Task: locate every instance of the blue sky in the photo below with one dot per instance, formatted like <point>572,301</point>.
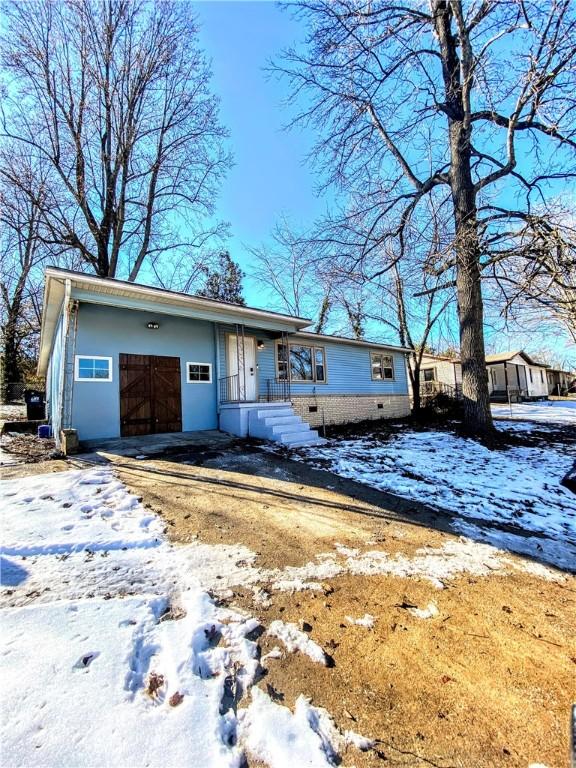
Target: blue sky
<point>271,176</point>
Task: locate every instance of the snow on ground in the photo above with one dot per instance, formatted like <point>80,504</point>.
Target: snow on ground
<point>510,498</point>
<point>366,621</point>
<point>310,731</point>
<point>296,640</point>
<point>547,411</point>
<point>113,652</point>
<point>429,612</point>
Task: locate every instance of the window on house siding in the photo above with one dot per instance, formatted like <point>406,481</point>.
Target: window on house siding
<point>382,366</point>
<point>199,373</point>
<point>306,363</point>
<point>429,374</point>
<point>542,376</point>
<point>531,377</point>
<point>93,368</point>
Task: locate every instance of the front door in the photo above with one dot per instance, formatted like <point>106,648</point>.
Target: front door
<point>242,361</point>
<point>150,396</point>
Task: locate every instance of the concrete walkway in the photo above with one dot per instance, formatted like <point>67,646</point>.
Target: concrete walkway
<point>148,445</point>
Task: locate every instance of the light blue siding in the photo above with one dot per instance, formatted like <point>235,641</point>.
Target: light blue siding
<point>349,372</point>
<point>108,331</point>
<point>348,367</point>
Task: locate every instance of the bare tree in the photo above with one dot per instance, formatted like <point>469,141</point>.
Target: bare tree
<point>539,280</point>
<point>471,104</point>
<point>22,256</point>
<point>287,268</point>
<point>112,99</point>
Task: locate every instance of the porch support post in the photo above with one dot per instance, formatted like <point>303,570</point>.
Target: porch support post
<point>238,359</point>
<point>244,360</point>
<point>289,368</point>
<point>217,364</point>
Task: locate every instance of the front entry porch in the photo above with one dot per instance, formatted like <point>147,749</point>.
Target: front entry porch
<point>275,421</point>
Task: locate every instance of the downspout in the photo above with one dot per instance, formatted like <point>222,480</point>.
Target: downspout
<point>217,367</point>
<point>75,308</point>
<point>65,330</point>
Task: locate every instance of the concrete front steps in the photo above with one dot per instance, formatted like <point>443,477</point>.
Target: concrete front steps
<point>279,424</point>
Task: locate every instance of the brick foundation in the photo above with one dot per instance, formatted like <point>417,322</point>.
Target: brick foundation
<point>345,409</point>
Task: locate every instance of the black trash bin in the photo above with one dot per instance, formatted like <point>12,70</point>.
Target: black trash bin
<point>35,404</point>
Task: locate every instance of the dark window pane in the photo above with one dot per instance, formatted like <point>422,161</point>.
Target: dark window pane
<point>100,374</point>
<point>319,359</point>
<point>429,374</point>
<point>301,363</point>
<point>387,367</point>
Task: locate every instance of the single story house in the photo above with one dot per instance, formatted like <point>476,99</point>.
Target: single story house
<point>560,382</point>
<point>123,359</point>
<point>439,373</point>
<point>515,373</point>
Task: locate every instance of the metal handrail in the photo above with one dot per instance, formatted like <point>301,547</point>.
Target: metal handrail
<point>277,390</point>
<point>229,388</point>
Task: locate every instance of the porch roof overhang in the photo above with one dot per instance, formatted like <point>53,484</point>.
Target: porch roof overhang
<point>118,293</point>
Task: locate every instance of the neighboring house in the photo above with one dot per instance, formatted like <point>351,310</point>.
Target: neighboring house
<point>514,373</point>
<point>517,375</point>
<point>439,373</point>
<point>560,382</point>
<point>123,359</point>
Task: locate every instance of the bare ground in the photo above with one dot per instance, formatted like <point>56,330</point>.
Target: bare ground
<point>488,682</point>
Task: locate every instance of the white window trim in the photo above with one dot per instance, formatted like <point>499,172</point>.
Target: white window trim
<point>423,371</point>
<point>313,348</point>
<point>393,366</point>
<point>77,376</point>
<point>195,381</point>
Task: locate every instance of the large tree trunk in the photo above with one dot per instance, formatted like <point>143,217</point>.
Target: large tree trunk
<point>477,415</point>
<point>415,381</point>
<point>11,367</point>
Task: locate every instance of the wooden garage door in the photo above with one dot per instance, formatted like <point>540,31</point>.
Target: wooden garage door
<point>150,396</point>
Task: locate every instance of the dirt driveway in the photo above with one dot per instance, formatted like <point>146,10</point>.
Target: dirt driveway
<point>471,666</point>
<point>488,680</point>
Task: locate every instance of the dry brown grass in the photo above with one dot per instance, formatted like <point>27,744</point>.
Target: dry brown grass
<point>488,682</point>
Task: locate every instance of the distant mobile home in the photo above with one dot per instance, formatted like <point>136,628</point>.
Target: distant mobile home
<point>509,373</point>
<point>124,360</point>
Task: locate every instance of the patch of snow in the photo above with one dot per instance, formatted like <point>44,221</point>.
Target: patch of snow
<point>60,711</point>
<point>366,621</point>
<point>513,496</point>
<point>278,737</point>
<point>546,411</point>
<point>108,631</point>
<point>275,653</point>
<point>346,551</point>
<point>360,742</point>
<point>307,737</point>
<point>425,613</point>
<point>296,640</point>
